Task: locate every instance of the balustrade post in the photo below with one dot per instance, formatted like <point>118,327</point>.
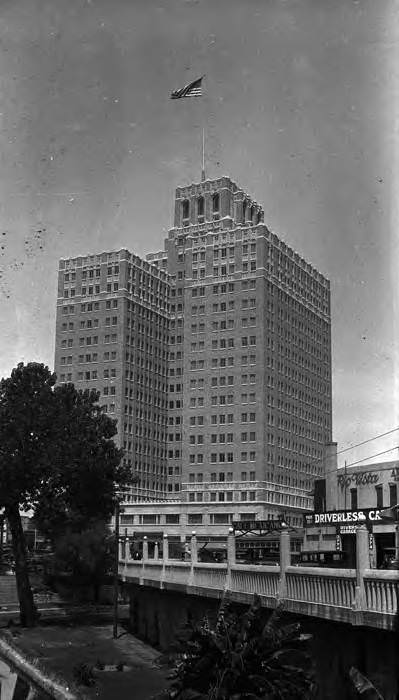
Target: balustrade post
<point>362,563</point>
<point>194,548</point>
<point>165,553</point>
<point>145,549</point>
<point>231,558</point>
<point>156,551</point>
<point>285,560</point>
<point>144,559</point>
<point>193,557</point>
<point>231,547</point>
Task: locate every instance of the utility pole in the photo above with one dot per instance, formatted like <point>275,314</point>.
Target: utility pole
<point>345,486</point>
<point>116,566</point>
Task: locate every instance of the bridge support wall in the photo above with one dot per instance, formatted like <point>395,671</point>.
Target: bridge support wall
<point>156,616</point>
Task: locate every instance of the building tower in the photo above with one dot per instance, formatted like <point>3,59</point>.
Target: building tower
<point>214,356</point>
<point>249,407</point>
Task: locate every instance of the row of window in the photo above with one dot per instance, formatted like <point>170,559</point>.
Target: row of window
<point>222,457</point>
<point>93,340</point>
<point>393,496</point>
<point>224,288</point>
<point>222,437</point>
<point>192,518</point>
<point>92,289</point>
<point>93,374</point>
<point>108,408</point>
<point>198,477</point>
<point>222,400</point>
<point>93,357</point>
<point>91,273</point>
<point>221,497</point>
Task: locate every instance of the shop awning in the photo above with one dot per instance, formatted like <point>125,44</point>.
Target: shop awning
<point>390,514</point>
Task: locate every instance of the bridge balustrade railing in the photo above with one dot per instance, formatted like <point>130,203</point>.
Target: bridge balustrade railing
<point>177,572</point>
<point>381,590</point>
<point>335,587</point>
<point>263,580</point>
<point>210,576</point>
<point>359,596</point>
<point>153,569</point>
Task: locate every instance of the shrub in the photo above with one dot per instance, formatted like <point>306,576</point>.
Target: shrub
<point>241,657</point>
<point>83,675</point>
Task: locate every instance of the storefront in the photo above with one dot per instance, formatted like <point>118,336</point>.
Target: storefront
<point>336,529</point>
<point>353,496</point>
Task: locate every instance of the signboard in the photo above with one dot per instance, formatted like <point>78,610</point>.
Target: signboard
<point>347,529</point>
<point>371,541</point>
<point>359,479</point>
<point>257,525</point>
<point>366,516</point>
<point>338,544</point>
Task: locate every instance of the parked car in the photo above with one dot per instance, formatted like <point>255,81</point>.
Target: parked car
<point>390,560</point>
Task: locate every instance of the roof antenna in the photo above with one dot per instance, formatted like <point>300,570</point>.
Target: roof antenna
<point>203,156</point>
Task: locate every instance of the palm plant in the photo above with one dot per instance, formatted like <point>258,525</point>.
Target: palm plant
<point>242,658</point>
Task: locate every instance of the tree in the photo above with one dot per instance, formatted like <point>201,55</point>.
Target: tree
<point>242,658</point>
<point>57,457</point>
<point>87,556</point>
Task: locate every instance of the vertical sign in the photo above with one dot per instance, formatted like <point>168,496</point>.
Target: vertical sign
<point>338,545</point>
<point>371,541</point>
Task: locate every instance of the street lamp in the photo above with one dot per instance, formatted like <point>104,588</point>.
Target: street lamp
<point>118,511</point>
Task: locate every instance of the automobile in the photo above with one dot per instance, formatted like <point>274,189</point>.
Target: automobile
<point>327,558</point>
<point>390,561</point>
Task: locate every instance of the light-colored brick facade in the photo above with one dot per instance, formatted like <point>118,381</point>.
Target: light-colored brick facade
<point>248,405</point>
<point>112,335</point>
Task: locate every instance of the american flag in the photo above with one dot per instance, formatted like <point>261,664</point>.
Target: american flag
<point>193,89</point>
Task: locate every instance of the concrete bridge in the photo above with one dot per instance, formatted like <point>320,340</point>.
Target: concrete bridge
<point>359,597</point>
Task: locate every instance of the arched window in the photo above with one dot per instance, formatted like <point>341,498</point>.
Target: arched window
<point>244,210</point>
<point>186,209</point>
<point>200,207</point>
<point>215,203</point>
<point>253,214</point>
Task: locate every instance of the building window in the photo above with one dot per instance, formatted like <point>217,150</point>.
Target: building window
<point>379,492</point>
<point>194,518</point>
<point>215,203</point>
<point>393,495</point>
<point>353,499</point>
<point>200,207</point>
<point>172,519</point>
<point>185,209</point>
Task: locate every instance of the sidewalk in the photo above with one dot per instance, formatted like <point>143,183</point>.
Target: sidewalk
<point>61,647</point>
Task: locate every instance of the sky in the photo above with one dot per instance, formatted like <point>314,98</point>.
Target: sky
<point>300,108</point>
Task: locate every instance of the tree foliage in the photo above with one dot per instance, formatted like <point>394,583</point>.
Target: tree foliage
<point>86,556</point>
<point>56,449</point>
<point>57,457</point>
<point>81,489</point>
<point>242,658</point>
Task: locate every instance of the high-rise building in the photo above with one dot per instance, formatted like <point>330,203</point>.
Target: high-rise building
<point>249,355</point>
<point>234,406</point>
<point>112,335</point>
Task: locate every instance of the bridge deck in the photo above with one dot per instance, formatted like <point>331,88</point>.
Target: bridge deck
<point>335,594</point>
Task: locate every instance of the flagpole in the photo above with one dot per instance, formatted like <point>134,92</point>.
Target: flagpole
<point>203,156</point>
